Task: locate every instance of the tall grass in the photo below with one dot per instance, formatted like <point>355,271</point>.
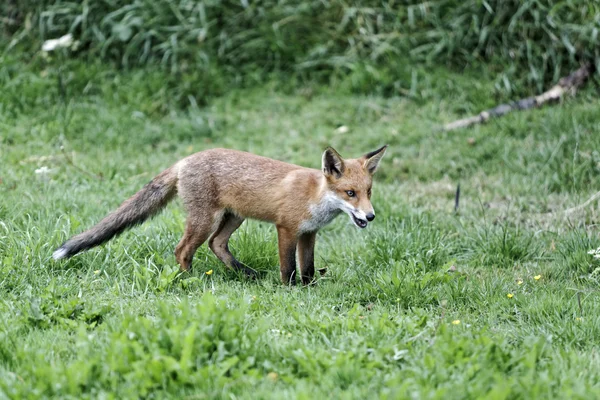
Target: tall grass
<point>525,43</point>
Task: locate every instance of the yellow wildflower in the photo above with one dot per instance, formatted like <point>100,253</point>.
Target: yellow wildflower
<point>537,277</point>
<point>456,322</point>
<point>519,282</point>
<point>510,295</point>
<point>209,272</point>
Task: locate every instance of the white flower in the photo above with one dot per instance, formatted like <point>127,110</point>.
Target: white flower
<point>595,253</point>
<point>61,42</point>
<point>342,129</point>
<point>43,171</point>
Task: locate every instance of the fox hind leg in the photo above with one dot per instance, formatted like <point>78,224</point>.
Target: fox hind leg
<point>219,241</point>
<point>196,232</point>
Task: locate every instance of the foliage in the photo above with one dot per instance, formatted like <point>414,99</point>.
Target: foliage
<point>363,46</point>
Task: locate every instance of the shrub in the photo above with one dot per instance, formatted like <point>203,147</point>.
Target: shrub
<point>525,43</point>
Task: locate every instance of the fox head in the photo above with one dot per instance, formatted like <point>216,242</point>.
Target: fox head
<point>349,183</point>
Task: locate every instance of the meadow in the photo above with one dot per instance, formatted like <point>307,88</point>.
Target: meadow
<point>495,299</point>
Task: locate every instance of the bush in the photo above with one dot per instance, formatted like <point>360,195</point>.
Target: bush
<point>525,43</point>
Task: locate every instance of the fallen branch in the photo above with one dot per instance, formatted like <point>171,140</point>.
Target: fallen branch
<point>566,84</point>
<point>589,201</point>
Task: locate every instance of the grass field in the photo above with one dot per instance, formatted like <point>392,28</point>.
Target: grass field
<point>499,300</point>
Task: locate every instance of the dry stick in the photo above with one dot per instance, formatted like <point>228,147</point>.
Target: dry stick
<point>70,161</point>
<point>583,205</point>
<point>568,83</point>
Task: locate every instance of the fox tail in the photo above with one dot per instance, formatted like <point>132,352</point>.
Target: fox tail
<point>143,205</point>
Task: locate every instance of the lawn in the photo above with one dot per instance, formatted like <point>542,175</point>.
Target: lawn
<point>498,299</point>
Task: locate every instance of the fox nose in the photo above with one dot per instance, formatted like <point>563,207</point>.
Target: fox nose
<point>370,217</point>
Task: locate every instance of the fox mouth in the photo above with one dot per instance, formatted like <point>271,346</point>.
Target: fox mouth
<point>361,223</point>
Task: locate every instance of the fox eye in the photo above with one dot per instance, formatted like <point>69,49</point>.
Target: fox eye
<point>350,193</point>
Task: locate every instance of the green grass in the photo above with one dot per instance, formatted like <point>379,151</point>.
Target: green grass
<point>120,322</point>
<point>373,46</point>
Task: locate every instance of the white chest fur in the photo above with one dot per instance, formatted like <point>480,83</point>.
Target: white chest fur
<point>322,213</point>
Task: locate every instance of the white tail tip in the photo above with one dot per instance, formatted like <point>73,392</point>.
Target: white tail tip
<point>60,253</point>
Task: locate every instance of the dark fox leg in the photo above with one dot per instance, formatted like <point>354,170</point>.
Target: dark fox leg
<point>306,256</point>
<point>219,240</point>
<point>287,254</point>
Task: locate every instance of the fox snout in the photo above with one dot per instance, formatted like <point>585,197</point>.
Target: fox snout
<point>361,219</point>
<point>361,223</point>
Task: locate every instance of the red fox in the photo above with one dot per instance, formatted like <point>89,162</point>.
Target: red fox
<point>220,188</point>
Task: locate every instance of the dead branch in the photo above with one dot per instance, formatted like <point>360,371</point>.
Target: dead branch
<point>566,84</point>
<point>589,201</point>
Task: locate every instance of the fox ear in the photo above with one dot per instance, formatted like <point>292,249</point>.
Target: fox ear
<point>333,163</point>
<point>371,160</point>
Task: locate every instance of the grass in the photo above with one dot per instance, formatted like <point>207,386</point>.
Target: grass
<point>416,306</point>
<point>209,46</point>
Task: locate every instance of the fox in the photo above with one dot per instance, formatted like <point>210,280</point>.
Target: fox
<point>220,188</point>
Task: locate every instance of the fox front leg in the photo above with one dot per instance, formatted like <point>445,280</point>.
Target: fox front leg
<point>287,255</point>
<point>306,256</point>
